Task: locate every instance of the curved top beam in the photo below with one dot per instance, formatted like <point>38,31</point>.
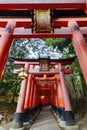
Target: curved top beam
<point>41,4</point>
<point>51,61</point>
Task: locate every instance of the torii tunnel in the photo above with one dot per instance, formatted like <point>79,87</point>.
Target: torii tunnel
<point>44,19</point>
<point>44,86</point>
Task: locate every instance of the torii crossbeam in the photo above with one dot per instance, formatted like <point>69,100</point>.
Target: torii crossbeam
<point>40,4</point>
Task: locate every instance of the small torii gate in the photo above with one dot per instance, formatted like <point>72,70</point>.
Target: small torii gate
<point>44,19</point>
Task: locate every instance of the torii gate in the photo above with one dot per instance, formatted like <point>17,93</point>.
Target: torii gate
<point>31,27</point>
<point>51,23</point>
<point>51,87</point>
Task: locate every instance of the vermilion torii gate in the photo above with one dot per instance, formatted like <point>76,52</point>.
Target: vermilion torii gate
<point>43,19</point>
<point>56,26</point>
<point>49,85</point>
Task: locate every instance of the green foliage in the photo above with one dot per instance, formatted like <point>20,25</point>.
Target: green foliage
<point>76,67</point>
<point>63,45</point>
<point>9,82</point>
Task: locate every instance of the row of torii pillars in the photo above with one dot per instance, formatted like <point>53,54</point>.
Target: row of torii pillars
<point>80,46</point>
<point>29,101</point>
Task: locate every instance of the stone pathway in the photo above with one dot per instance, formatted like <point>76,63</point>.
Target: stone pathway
<point>45,121</point>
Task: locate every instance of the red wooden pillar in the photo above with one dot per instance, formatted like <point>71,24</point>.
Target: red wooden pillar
<point>19,115</point>
<point>3,66</point>
<point>35,104</point>
<point>5,43</point>
<point>34,97</point>
<point>80,46</point>
<point>37,97</point>
<point>31,92</point>
<point>31,96</point>
<point>61,102</point>
<point>54,94</point>
<point>69,117</point>
<point>27,97</point>
<point>53,98</point>
<point>61,108</point>
<point>86,7</point>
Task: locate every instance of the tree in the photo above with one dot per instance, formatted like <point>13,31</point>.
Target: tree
<point>63,45</point>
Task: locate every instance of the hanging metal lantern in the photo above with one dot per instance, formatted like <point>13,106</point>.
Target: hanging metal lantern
<point>23,73</point>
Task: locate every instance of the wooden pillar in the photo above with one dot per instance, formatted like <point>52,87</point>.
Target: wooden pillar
<point>19,114</point>
<point>5,43</point>
<point>80,46</point>
<point>31,92</point>
<point>86,7</point>
<point>53,98</point>
<point>34,97</point>
<point>27,111</point>
<point>52,95</point>
<point>61,108</point>
<point>55,95</point>
<point>69,116</point>
<point>26,105</point>
<point>38,99</point>
<point>3,66</point>
<point>35,93</point>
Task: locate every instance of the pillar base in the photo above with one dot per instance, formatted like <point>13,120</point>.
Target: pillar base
<point>54,108</point>
<point>74,127</point>
<point>61,112</point>
<point>69,118</point>
<point>58,120</point>
<point>27,114</point>
<point>27,125</point>
<point>31,121</point>
<point>18,122</point>
<point>62,123</point>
